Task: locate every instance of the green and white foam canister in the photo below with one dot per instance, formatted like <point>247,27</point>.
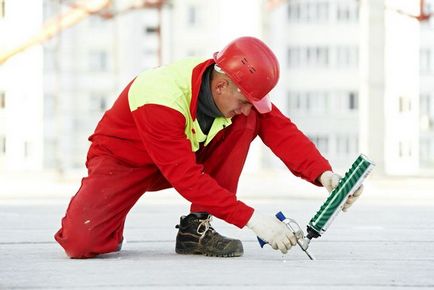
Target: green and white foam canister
<point>352,180</point>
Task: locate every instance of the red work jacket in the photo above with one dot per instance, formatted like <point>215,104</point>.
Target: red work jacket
<point>153,136</point>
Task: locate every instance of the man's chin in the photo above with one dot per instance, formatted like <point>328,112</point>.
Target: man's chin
<point>230,115</point>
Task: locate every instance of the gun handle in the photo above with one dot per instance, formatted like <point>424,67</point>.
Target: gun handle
<point>261,242</point>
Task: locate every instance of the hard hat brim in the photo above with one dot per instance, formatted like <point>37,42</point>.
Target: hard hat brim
<point>263,105</point>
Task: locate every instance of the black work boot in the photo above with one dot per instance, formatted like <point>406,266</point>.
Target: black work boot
<point>197,237</point>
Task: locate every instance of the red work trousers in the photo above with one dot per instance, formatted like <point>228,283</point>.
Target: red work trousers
<point>95,218</point>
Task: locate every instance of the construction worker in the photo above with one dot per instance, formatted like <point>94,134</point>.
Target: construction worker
<point>189,125</point>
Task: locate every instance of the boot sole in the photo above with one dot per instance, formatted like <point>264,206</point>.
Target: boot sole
<point>229,255</point>
<point>195,251</point>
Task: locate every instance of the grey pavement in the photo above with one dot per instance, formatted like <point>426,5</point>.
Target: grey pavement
<point>383,242</point>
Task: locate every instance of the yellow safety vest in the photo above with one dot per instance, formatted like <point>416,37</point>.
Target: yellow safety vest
<point>170,86</point>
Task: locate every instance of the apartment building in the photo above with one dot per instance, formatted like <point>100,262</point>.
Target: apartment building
<point>318,45</point>
<point>85,68</point>
<point>88,65</point>
<point>332,58</point>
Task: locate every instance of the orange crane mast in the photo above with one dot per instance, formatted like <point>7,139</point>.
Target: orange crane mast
<point>77,12</point>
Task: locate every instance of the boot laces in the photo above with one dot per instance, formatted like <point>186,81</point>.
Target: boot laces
<point>205,225</point>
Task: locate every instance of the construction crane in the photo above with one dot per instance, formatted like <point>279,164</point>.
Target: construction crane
<point>77,12</point>
<point>423,15</point>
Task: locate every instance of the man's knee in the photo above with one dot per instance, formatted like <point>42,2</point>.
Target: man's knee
<point>76,246</point>
<point>86,243</point>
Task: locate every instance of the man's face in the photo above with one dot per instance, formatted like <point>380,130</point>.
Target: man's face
<point>229,100</point>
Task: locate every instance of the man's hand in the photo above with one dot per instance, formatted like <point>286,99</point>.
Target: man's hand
<point>273,231</point>
<point>330,180</point>
<point>352,198</point>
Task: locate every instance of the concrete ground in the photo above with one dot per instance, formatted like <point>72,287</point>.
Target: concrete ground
<point>385,241</point>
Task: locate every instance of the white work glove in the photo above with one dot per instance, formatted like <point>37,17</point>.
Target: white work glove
<point>352,198</point>
<point>272,231</point>
<point>330,180</point>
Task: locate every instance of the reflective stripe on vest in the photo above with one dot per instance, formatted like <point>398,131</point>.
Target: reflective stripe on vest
<point>170,86</point>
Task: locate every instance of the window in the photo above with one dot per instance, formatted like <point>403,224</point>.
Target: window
<point>404,104</point>
<point>26,149</point>
<point>345,101</point>
<point>405,149</point>
<point>322,11</point>
<point>426,152</point>
<point>308,101</point>
<point>98,61</point>
<point>352,100</point>
<point>191,15</point>
<point>97,102</point>
<point>2,145</point>
<point>294,102</point>
<point>297,101</point>
<point>426,106</point>
<point>308,11</point>
<point>293,57</point>
<point>318,102</point>
<point>321,142</point>
<point>102,104</point>
<point>323,56</point>
<point>342,145</point>
<point>2,100</point>
<point>343,12</point>
<point>425,60</point>
<point>152,29</point>
<point>425,101</point>
<point>2,8</point>
<point>311,56</point>
<point>317,56</point>
<point>347,145</point>
<point>307,98</point>
<point>293,11</point>
<point>346,56</point>
<point>304,11</point>
<point>347,11</point>
<point>290,102</point>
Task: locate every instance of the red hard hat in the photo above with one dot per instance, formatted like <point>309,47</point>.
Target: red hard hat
<point>253,67</point>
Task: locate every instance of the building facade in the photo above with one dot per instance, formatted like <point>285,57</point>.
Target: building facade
<point>426,149</point>
<point>85,68</point>
<point>318,45</point>
<point>338,80</point>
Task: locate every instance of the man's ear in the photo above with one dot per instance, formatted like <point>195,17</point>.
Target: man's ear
<point>221,84</point>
